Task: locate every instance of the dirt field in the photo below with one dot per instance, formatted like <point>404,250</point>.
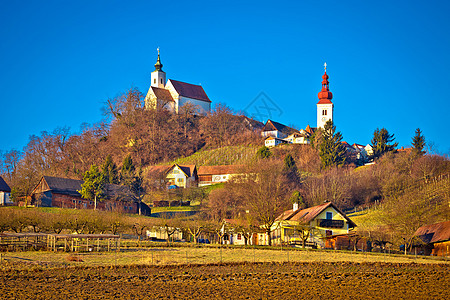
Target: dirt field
<point>308,280</point>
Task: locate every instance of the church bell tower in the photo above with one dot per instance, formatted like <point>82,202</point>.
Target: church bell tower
<point>324,106</point>
<point>158,76</point>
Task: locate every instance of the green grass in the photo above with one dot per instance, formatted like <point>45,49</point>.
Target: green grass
<point>230,155</point>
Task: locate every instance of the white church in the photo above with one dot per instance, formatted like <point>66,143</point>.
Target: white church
<point>174,94</point>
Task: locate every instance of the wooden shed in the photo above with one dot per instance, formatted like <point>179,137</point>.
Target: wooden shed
<point>435,239</point>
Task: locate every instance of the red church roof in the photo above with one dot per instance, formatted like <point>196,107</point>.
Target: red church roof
<point>325,95</point>
<point>190,90</point>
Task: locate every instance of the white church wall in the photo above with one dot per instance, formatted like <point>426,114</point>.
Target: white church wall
<point>202,107</point>
<point>322,119</point>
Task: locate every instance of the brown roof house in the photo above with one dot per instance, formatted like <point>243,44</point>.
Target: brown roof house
<point>5,193</point>
<point>174,94</point>
<point>208,175</point>
<point>63,192</point>
<point>311,226</point>
<point>434,239</point>
<point>276,130</point>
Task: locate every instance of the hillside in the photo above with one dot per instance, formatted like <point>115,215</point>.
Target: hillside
<point>230,155</point>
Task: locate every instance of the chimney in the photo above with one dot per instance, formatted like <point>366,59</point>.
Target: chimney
<point>295,206</point>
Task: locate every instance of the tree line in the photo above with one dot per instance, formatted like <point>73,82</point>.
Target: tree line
<point>147,136</point>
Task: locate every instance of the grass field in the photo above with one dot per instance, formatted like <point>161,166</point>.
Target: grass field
<point>203,255</point>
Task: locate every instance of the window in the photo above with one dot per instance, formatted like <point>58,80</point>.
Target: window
<point>161,81</point>
<point>328,232</point>
<point>329,215</point>
<point>176,172</point>
<point>239,236</point>
<point>180,179</point>
<point>324,112</point>
<point>154,80</point>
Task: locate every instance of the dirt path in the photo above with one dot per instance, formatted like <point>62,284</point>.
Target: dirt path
<point>231,281</point>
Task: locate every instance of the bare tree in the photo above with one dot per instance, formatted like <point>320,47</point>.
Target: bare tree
<point>263,192</point>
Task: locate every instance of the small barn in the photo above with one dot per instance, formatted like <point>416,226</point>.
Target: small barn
<point>63,192</point>
<point>435,239</point>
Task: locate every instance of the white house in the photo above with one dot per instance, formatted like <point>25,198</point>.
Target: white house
<point>298,138</point>
<point>182,176</point>
<point>208,175</point>
<point>5,193</point>
<point>162,233</point>
<point>273,141</point>
<point>277,130</point>
<point>174,94</point>
<point>238,232</point>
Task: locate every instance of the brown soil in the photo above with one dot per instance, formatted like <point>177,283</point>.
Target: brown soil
<point>230,281</point>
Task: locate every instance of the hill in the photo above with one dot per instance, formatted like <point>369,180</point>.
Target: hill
<point>229,155</point>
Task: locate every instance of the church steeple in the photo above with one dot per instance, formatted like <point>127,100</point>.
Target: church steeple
<point>158,76</point>
<point>324,106</point>
<point>158,65</point>
<point>325,95</point>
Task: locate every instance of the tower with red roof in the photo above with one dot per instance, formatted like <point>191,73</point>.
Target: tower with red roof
<point>324,106</point>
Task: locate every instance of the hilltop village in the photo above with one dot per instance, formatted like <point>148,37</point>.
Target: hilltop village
<point>203,174</point>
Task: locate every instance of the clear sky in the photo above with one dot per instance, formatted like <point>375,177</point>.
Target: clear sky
<point>388,61</point>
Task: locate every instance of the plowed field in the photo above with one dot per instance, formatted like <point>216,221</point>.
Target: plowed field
<point>230,281</point>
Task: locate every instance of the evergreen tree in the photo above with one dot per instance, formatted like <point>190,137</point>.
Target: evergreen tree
<point>263,152</point>
<point>93,185</point>
<point>109,171</point>
<point>418,143</point>
<point>331,150</point>
<point>127,172</point>
<point>381,142</point>
<point>290,168</point>
<point>296,197</point>
<point>137,188</point>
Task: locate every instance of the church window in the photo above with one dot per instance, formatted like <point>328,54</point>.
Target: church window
<point>324,112</point>
<point>161,81</point>
<point>154,80</point>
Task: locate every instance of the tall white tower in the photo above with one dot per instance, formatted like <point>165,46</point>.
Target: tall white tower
<point>324,106</point>
<point>158,76</point>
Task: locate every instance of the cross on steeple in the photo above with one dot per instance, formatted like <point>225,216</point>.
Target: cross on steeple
<point>325,65</point>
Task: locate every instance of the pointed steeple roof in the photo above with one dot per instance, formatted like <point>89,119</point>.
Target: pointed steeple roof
<point>325,95</point>
<point>158,65</point>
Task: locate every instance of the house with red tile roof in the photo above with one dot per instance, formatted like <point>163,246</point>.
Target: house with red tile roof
<point>208,175</point>
<point>174,94</point>
<point>321,222</point>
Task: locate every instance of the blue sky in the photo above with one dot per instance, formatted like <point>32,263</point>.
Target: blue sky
<point>388,61</point>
